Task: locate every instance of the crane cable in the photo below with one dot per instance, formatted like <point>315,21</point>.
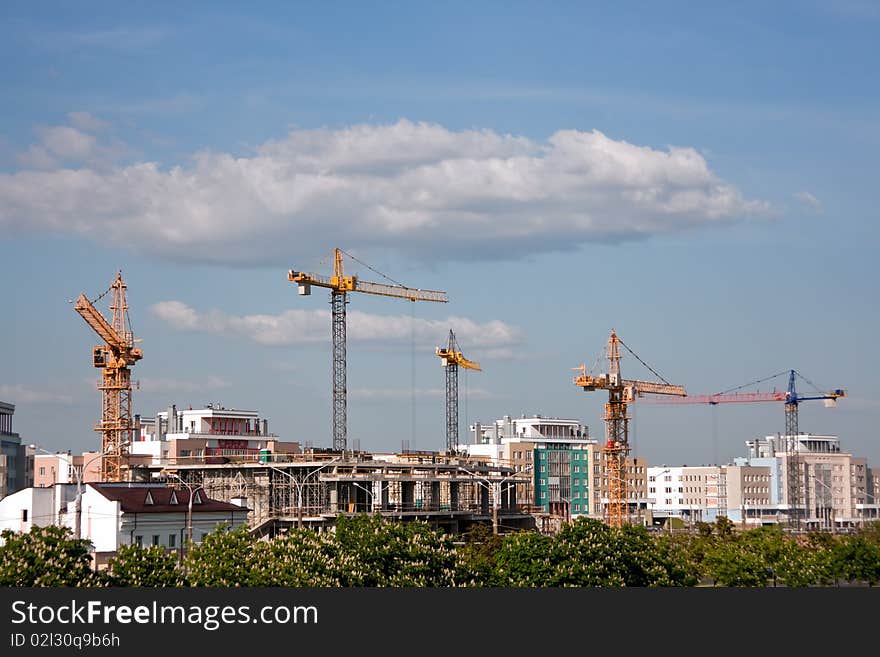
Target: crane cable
<point>372,269</point>
<point>746,385</point>
<point>653,371</point>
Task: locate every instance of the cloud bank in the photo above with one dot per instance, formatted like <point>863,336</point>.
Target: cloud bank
<point>415,186</point>
<point>313,326</point>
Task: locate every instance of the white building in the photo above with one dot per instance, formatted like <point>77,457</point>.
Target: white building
<point>535,427</point>
<point>35,507</point>
<point>122,514</point>
<point>204,435</point>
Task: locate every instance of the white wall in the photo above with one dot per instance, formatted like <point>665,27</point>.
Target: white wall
<point>41,505</point>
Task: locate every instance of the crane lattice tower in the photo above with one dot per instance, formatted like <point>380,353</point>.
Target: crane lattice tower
<point>620,392</point>
<point>451,358</point>
<point>340,285</point>
<point>115,358</point>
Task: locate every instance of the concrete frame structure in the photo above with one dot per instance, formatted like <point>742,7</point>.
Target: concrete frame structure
<point>448,492</point>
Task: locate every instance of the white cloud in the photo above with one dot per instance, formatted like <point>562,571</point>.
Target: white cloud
<point>86,122</point>
<point>810,201</point>
<point>71,145</point>
<point>19,394</point>
<point>37,156</point>
<point>312,326</point>
<point>414,185</point>
<point>67,142</point>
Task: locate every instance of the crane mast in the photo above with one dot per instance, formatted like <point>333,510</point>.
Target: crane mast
<point>620,392</point>
<point>115,358</point>
<point>339,285</point>
<point>451,358</point>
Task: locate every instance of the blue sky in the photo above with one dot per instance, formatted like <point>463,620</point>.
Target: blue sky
<point>700,178</point>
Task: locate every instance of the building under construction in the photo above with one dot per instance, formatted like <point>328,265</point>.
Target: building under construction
<point>312,489</point>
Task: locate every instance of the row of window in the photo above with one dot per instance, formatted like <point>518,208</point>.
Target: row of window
<point>172,540</point>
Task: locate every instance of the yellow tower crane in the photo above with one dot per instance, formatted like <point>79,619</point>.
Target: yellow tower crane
<point>451,358</point>
<point>339,285</point>
<point>620,392</point>
<point>114,357</point>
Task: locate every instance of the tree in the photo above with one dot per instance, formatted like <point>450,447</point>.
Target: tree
<point>524,559</point>
<point>223,558</point>
<point>45,556</point>
<point>478,554</point>
<point>151,566</point>
<point>857,559</point>
<point>376,552</point>
<point>300,557</point>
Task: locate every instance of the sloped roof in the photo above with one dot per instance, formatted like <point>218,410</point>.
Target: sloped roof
<point>159,499</point>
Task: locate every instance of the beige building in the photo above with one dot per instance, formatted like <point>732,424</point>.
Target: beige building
<point>749,494</point>
<point>836,487</point>
<point>64,468</point>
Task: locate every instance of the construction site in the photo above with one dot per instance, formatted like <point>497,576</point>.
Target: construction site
<point>232,457</point>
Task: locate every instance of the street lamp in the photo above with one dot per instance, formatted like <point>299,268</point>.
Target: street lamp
<point>495,490</point>
<point>79,489</point>
<point>366,490</point>
<point>300,483</point>
<point>192,489</point>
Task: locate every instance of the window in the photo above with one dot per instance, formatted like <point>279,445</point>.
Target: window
<point>172,540</point>
<point>24,515</point>
<point>139,541</point>
<point>155,539</point>
<point>42,470</point>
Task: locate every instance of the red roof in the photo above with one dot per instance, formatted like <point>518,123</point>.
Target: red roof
<point>160,499</point>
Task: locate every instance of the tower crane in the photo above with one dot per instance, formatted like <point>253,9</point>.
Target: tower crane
<point>115,358</point>
<point>451,358</point>
<point>340,285</point>
<point>620,392</point>
<point>792,398</point>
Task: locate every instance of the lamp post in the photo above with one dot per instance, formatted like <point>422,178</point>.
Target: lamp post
<point>366,490</point>
<point>299,486</point>
<point>79,488</point>
<point>495,490</point>
<point>189,508</point>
